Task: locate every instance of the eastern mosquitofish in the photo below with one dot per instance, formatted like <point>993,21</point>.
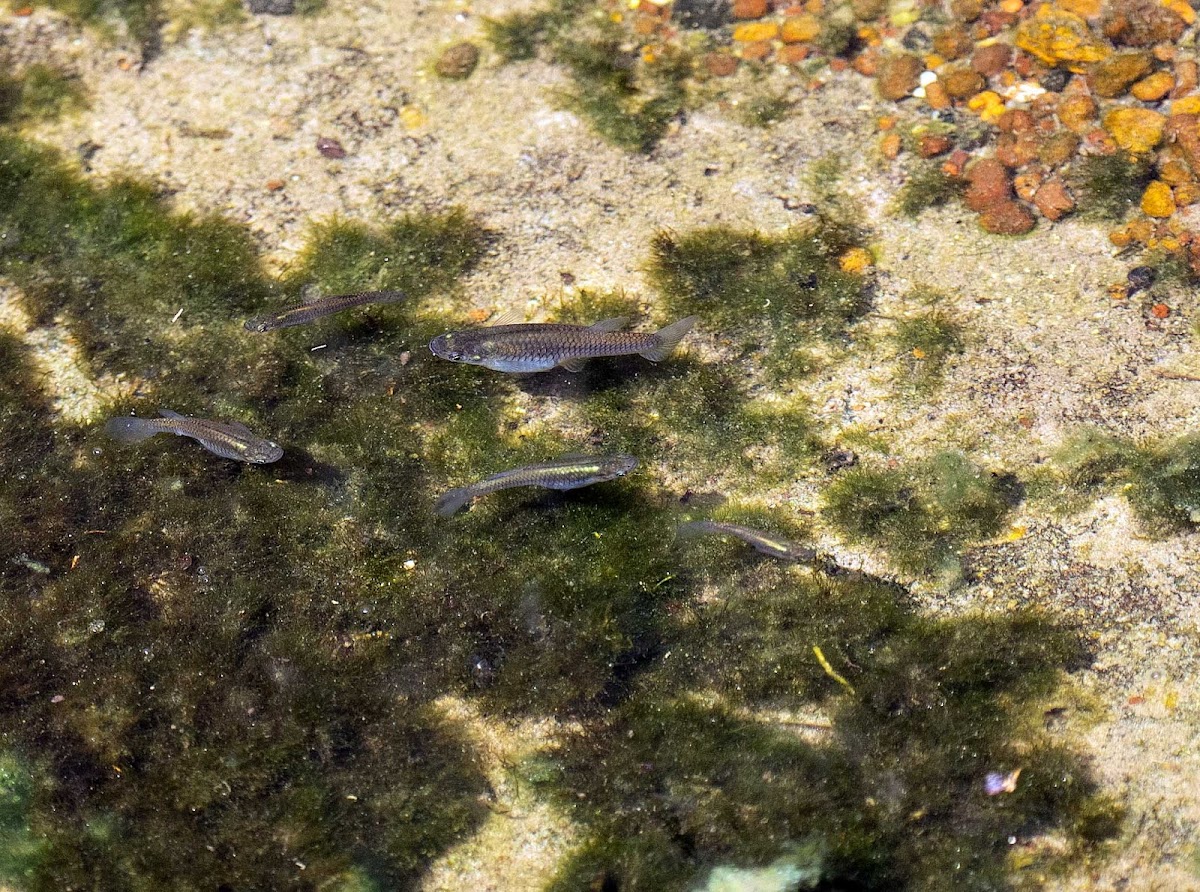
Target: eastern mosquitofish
<point>228,439</point>
<point>564,473</point>
<point>764,542</point>
<point>318,309</point>
<point>540,347</point>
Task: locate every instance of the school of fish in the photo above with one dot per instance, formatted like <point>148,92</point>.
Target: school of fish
<point>511,348</point>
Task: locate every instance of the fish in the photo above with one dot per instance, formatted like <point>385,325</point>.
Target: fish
<point>319,309</point>
<point>228,439</point>
<point>539,347</point>
<point>764,542</point>
<point>570,472</point>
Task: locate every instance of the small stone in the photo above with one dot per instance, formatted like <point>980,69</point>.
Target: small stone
<point>953,43</point>
<point>1187,77</point>
<point>749,9</point>
<point>966,10</point>
<point>1055,80</point>
<point>1015,120</point>
<point>1054,35</point>
<point>720,64</point>
<point>1135,129</point>
<point>704,15</point>
<point>931,145</point>
<point>936,96</point>
<point>992,59</point>
<point>755,32</point>
<point>1053,200</point>
<point>1078,112</point>
<point>1059,148</point>
<point>1139,279</point>
<point>793,54</point>
<point>330,147</point>
<point>1154,87</point>
<point>868,10</point>
<point>898,76</point>
<point>1173,172</point>
<point>1007,218</point>
<point>756,51</point>
<point>457,61</point>
<point>856,260</point>
<point>1160,311</point>
<point>987,184</point>
<point>961,82</point>
<point>1111,77</point>
<point>1184,132</point>
<point>1187,105</point>
<point>1016,151</point>
<point>274,185</point>
<point>1142,23</point>
<point>1187,194</point>
<point>800,29</point>
<point>889,146</point>
<point>865,63</point>
<point>1158,200</point>
<point>1026,184</point>
<point>271,7</point>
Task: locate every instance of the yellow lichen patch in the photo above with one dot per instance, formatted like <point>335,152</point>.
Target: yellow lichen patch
<point>800,28</point>
<point>1188,105</point>
<point>1055,35</point>
<point>752,32</point>
<point>856,260</point>
<point>988,104</point>
<point>1135,129</point>
<point>1182,9</point>
<point>1088,9</point>
<point>1157,200</point>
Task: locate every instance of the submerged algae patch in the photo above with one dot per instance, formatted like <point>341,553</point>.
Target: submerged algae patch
<point>40,93</point>
<point>775,293</point>
<point>922,515</point>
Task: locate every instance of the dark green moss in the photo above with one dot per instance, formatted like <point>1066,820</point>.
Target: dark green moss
<point>1092,458</point>
<point>141,18</point>
<point>927,186</point>
<point>922,515</point>
<point>41,93</point>
<point>518,35</point>
<point>776,294</point>
<point>626,100</point>
<point>1108,186</point>
<point>764,110</point>
<point>1164,484</point>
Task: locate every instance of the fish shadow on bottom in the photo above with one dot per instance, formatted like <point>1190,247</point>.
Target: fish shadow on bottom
<point>299,466</point>
<point>598,376</point>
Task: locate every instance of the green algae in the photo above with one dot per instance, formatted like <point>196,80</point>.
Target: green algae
<point>142,19</point>
<point>626,100</point>
<point>41,93</point>
<point>927,186</point>
<point>775,294</point>
<point>1109,186</point>
<point>922,515</point>
<point>926,341</point>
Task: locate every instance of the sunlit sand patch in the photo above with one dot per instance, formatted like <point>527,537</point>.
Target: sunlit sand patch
<point>74,396</point>
<point>523,840</point>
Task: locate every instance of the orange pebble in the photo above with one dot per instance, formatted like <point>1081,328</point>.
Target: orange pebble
<point>1160,311</point>
<point>889,146</point>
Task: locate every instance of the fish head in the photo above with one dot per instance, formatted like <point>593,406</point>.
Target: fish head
<point>620,465</point>
<point>457,347</point>
<point>259,324</point>
<point>263,452</point>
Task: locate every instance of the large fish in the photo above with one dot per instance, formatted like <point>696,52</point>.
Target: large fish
<point>540,347</point>
<point>563,473</point>
<point>764,542</point>
<point>228,439</point>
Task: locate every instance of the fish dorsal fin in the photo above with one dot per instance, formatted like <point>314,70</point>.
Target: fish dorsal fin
<point>508,317</point>
<point>573,365</point>
<point>240,428</point>
<point>614,324</point>
<point>167,413</point>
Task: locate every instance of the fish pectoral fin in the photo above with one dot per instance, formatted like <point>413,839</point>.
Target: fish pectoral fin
<point>573,365</point>
<point>508,317</point>
<point>614,324</point>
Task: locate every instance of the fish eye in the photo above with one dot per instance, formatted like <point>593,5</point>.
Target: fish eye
<point>454,356</point>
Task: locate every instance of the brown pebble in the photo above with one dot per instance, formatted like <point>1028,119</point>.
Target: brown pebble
<point>953,43</point>
<point>793,54</point>
<point>749,9</point>
<point>1015,120</point>
<point>966,10</point>
<point>933,144</point>
<point>898,76</point>
<point>1154,87</point>
<point>720,64</point>
<point>274,185</point>
<point>1111,77</point>
<point>987,184</point>
<point>330,147</point>
<point>1187,194</point>
<point>1016,151</point>
<point>992,59</point>
<point>1142,23</point>
<point>1184,132</point>
<point>1059,148</point>
<point>756,50</point>
<point>889,146</point>
<point>457,61</point>
<point>1053,200</point>
<point>936,96</point>
<point>868,10</point>
<point>866,63</point>
<point>953,166</point>
<point>1173,172</point>
<point>1026,184</point>
<point>1007,218</point>
<point>1187,77</point>
<point>962,82</point>
<point>1078,113</point>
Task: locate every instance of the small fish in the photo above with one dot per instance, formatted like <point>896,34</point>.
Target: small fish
<point>764,542</point>
<point>318,309</point>
<point>540,347</point>
<point>230,439</point>
<point>564,473</point>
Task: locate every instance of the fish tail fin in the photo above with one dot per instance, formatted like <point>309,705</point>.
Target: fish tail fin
<point>389,297</point>
<point>693,528</point>
<point>452,501</point>
<point>667,339</point>
<point>128,429</point>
